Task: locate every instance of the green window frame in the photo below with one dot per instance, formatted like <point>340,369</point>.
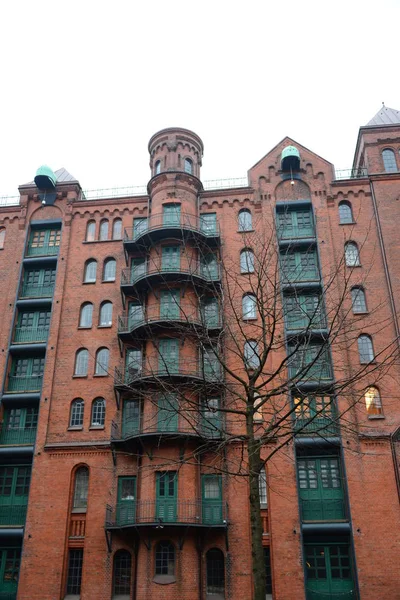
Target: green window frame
<point>126,504</point>
<point>138,268</point>
<point>32,326</point>
<point>209,310</point>
<point>328,571</point>
<point>211,494</point>
<point>140,226</point>
<point>166,496</point>
<point>304,311</point>
<point>209,266</point>
<point>130,417</point>
<point>168,356</point>
<point>10,561</point>
<point>299,266</point>
<point>295,223</point>
<point>208,223</point>
<point>44,241</point>
<point>38,282</point>
<point>19,425</point>
<point>167,413</point>
<point>170,304</point>
<point>170,258</point>
<point>171,214</point>
<point>320,488</point>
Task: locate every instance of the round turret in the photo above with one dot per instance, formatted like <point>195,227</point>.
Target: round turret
<point>175,149</point>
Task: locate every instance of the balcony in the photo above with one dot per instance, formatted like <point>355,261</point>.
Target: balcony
<point>301,321</point>
<point>152,371</point>
<point>179,226</point>
<point>157,317</point>
<point>166,426</point>
<point>45,249</point>
<point>30,335</point>
<point>316,426</point>
<point>187,271</point>
<point>32,290</point>
<point>325,509</point>
<point>307,367</point>
<point>17,436</point>
<point>174,513</point>
<point>292,233</point>
<point>24,384</point>
<point>13,515</point>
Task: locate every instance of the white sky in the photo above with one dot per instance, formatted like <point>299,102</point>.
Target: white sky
<point>85,84</point>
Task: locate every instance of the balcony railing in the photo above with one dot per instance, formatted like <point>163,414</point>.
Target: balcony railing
<point>167,424</point>
<point>32,290</point>
<point>358,173</point>
<point>322,426</point>
<point>193,269</point>
<point>175,315</point>
<point>294,232</point>
<point>300,275</point>
<point>153,370</point>
<point>153,512</point>
<point>320,370</point>
<point>42,250</point>
<point>30,335</point>
<point>14,436</point>
<point>13,515</point>
<point>8,595</point>
<point>31,383</point>
<point>296,321</point>
<point>322,510</point>
<point>161,221</point>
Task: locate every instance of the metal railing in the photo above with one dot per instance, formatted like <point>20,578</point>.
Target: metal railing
<point>32,290</point>
<point>161,370</point>
<point>310,322</point>
<point>166,424</point>
<point>300,275</point>
<point>358,173</point>
<point>168,512</point>
<point>127,191</point>
<point>321,370</point>
<point>12,514</point>
<point>232,182</point>
<point>292,233</point>
<point>322,510</point>
<point>26,335</point>
<point>323,425</point>
<point>26,383</point>
<point>8,595</point>
<point>164,221</point>
<point>13,436</point>
<point>174,314</point>
<point>197,270</point>
<point>42,250</point>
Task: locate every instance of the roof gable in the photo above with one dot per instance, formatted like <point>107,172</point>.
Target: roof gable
<point>385,116</point>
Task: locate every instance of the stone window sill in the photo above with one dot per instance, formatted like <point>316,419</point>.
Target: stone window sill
<point>98,427</point>
<point>164,579</point>
<point>104,326</point>
<point>79,376</point>
<point>349,223</point>
<point>75,428</point>
<point>374,417</point>
<point>100,241</point>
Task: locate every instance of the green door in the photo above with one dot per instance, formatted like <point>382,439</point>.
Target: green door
<point>44,242</point>
<point>138,268</point>
<point>295,224</point>
<point>19,426</point>
<point>208,223</point>
<point>171,214</point>
<point>130,418</point>
<point>315,414</point>
<point>210,312</point>
<point>211,418</point>
<point>170,258</point>
<point>299,266</point>
<point>211,492</point>
<point>166,495</point>
<point>135,313</point>
<point>39,283</point>
<point>170,304</point>
<point>328,572</point>
<point>14,489</point>
<point>10,559</point>
<point>168,358</point>
<point>126,506</point>
<point>320,489</point>
<point>32,326</point>
<point>167,415</point>
<point>139,227</point>
<point>304,311</point>
<point>26,375</point>
<point>211,365</point>
<point>209,266</point>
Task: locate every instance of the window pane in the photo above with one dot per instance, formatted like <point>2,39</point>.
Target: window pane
<point>215,572</point>
<point>102,362</point>
<point>86,315</point>
<point>262,486</point>
<point>98,412</point>
<point>188,166</point>
<point>122,573</point>
<point>158,167</point>
<point>2,237</point>
<point>165,559</point>
<point>247,261</point>
<point>358,300</point>
<point>110,266</point>
<point>106,311</point>
<point>90,271</point>
<point>345,213</point>
<point>117,229</point>
<point>249,306</point>
<point>352,255</point>
<point>389,161</point>
<point>81,487</point>
<point>90,231</point>
<point>81,362</point>
<point>77,408</point>
<point>75,560</point>
<point>245,220</point>
<point>251,354</point>
<point>103,230</point>
<point>373,401</point>
<point>365,349</point>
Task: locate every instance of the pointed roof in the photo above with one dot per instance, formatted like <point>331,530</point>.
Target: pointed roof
<point>63,176</point>
<point>385,116</point>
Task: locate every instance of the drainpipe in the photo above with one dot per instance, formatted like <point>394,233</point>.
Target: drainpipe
<point>393,440</point>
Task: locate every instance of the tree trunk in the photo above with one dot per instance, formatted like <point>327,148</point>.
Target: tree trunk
<point>257,551</point>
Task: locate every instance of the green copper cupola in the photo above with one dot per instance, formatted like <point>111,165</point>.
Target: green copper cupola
<point>45,179</point>
<point>290,159</point>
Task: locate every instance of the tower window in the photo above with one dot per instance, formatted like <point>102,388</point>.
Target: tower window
<point>188,166</point>
<point>389,161</point>
<point>157,168</point>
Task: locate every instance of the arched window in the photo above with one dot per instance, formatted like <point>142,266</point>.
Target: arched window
<point>103,230</point>
<point>102,358</point>
<point>76,414</point>
<point>117,229</point>
<point>389,161</point>
<point>188,166</point>
<point>91,231</point>
<point>351,254</point>
<point>258,416</point>
<point>249,306</point>
<point>110,267</point>
<point>157,168</point>
<point>122,574</point>
<point>247,261</point>
<point>105,318</point>
<point>2,237</point>
<point>86,314</point>
<point>345,213</point>
<point>90,271</point>
<point>365,349</point>
<point>81,362</point>
<point>81,489</point>
<point>358,300</point>
<point>215,569</point>
<point>373,402</point>
<point>251,354</point>
<point>245,220</point>
<point>165,559</point>
<point>98,412</point>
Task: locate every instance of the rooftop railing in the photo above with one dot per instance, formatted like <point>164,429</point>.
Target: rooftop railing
<point>358,173</point>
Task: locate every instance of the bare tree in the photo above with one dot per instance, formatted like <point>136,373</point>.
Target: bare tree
<point>257,334</point>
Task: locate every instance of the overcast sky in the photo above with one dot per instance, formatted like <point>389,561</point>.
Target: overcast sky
<point>85,84</point>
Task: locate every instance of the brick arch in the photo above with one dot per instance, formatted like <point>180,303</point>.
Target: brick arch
<point>46,213</point>
<point>288,191</point>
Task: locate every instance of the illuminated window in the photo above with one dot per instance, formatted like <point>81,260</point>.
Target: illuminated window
<point>373,402</point>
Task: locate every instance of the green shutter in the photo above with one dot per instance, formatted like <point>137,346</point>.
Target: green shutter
<point>211,488</point>
<point>126,505</point>
<point>166,496</point>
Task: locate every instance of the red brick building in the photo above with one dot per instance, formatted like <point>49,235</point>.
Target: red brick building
<point>98,496</point>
